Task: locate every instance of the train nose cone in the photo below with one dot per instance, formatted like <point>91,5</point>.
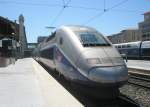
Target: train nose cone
<point>109,74</point>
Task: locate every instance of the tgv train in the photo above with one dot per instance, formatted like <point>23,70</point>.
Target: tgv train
<point>135,50</point>
<point>83,56</point>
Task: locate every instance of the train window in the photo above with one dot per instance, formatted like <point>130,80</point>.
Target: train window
<point>119,46</point>
<point>123,46</point>
<point>128,45</point>
<point>145,44</point>
<point>92,39</point>
<point>135,45</point>
<point>51,53</point>
<point>47,53</point>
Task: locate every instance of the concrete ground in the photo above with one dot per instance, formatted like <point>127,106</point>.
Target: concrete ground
<point>27,84</point>
<point>139,64</point>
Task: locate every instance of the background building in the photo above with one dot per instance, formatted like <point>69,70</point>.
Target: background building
<point>144,27</point>
<point>128,35</point>
<point>29,51</point>
<point>12,37</point>
<point>41,39</point>
<point>132,35</point>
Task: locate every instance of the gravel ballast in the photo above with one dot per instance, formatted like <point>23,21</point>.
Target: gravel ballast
<point>139,94</point>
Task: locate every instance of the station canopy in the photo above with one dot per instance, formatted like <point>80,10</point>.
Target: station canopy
<point>8,29</point>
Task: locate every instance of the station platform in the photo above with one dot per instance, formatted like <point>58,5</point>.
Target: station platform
<point>27,84</point>
<point>139,66</point>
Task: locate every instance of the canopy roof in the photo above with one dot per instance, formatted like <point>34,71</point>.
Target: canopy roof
<point>8,29</point>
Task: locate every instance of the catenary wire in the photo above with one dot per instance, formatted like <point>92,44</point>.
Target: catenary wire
<point>105,10</point>
<point>58,5</point>
<point>58,15</point>
<point>66,4</point>
<point>60,12</point>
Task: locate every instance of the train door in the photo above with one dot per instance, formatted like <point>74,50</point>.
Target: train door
<point>145,50</point>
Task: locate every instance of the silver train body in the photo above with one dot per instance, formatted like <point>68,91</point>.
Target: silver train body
<point>82,55</point>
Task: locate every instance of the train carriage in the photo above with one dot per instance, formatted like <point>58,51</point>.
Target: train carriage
<point>145,50</point>
<point>84,56</point>
<point>135,50</point>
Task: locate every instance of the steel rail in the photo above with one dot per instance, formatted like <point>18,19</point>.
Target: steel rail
<point>141,81</point>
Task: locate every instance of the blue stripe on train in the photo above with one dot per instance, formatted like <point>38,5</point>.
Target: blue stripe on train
<point>62,60</point>
<point>67,68</point>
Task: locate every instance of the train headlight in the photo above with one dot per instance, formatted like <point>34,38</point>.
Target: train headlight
<point>93,61</point>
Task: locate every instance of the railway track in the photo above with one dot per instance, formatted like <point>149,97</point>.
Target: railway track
<point>139,80</point>
<point>88,101</point>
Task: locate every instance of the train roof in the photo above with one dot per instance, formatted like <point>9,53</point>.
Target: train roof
<point>78,27</point>
<point>137,42</point>
<point>146,44</point>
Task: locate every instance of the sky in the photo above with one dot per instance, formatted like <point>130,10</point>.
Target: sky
<point>107,16</point>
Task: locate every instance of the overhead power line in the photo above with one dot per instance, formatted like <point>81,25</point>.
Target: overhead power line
<point>61,11</point>
<point>118,4</point>
<point>92,18</point>
<point>104,5</point>
<point>59,5</point>
<point>48,5</point>
<point>66,5</point>
<point>57,16</point>
<point>105,10</point>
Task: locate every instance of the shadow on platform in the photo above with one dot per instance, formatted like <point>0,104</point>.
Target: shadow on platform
<point>5,61</point>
